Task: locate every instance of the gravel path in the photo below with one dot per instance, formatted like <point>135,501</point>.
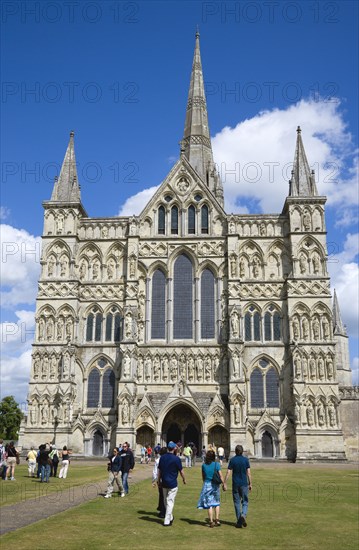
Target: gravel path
<point>27,512</point>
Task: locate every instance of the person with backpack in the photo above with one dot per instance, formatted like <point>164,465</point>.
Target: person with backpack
<point>54,456</point>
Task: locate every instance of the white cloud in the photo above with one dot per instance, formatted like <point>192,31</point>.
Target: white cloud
<point>254,158</point>
<point>135,204</point>
<point>16,341</point>
<point>20,266</point>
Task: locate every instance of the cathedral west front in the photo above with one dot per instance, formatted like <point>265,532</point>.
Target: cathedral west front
<point>187,323</point>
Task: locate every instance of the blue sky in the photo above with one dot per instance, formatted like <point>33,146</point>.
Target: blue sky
<point>117,73</point>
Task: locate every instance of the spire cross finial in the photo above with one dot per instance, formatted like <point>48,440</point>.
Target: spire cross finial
<point>299,131</point>
<point>197,32</point>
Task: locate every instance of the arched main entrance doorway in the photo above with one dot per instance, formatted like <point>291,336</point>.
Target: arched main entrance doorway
<point>182,424</point>
<point>267,445</point>
<point>98,444</point>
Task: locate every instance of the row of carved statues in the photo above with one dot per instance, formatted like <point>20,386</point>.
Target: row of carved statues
<point>167,368</point>
<point>50,329</point>
<point>311,328</point>
<point>315,366</point>
<point>316,413</point>
<point>52,366</point>
<point>43,412</point>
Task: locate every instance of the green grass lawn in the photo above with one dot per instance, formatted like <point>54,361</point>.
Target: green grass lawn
<point>25,488</point>
<point>290,508</point>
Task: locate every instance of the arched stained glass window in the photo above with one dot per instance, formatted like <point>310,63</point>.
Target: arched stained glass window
<point>108,335</point>
<point>93,388</point>
<point>98,327</point>
<point>256,382</point>
<point>118,327</point>
<point>207,305</point>
<point>247,327</point>
<point>257,326</point>
<point>267,326</point>
<point>89,327</point>
<point>276,326</point>
<point>174,220</point>
<point>161,221</point>
<point>158,312</point>
<point>183,298</point>
<point>204,219</point>
<point>191,220</point>
<point>108,388</point>
<point>272,389</point>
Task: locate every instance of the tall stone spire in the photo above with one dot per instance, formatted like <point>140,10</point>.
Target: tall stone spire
<point>66,188</point>
<point>338,326</point>
<point>302,183</point>
<point>196,143</point>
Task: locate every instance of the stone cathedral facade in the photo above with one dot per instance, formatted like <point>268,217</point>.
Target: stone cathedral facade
<point>188,323</point>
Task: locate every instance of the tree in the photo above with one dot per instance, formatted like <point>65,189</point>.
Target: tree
<point>10,418</point>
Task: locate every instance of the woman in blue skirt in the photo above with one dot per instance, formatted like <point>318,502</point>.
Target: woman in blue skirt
<point>210,494</point>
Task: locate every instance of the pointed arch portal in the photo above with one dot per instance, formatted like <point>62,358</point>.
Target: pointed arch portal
<point>182,423</point>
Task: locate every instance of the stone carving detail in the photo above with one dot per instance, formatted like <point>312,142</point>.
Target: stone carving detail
<point>265,290</point>
<point>303,288</point>
<point>153,249</point>
<point>312,326</point>
<point>157,367</point>
<point>314,366</point>
<point>211,248</point>
<point>317,412</point>
<point>97,292</point>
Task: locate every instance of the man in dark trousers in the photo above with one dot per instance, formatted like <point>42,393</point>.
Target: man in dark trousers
<point>128,464</point>
<point>168,468</point>
<point>241,483</point>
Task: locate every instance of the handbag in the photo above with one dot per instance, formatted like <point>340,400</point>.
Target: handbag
<point>216,478</point>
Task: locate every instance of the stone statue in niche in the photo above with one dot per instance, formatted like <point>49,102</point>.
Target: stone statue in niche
<point>321,371</point>
<point>33,414</point>
<point>330,368</point>
<point>303,263</point>
<point>207,368</point>
<point>50,267</point>
<point>316,263</point>
<point>326,328</point>
<point>190,368</point>
<point>60,223</point>
<point>173,369</point>
<point>310,415</point>
<point>140,369</point>
<point>125,414</point>
<point>83,269</point>
<point>316,329</point>
<point>128,324</point>
<point>36,366</point>
<point>295,325</point>
<point>305,367</point>
<point>45,366</point>
<point>242,268</point>
<point>262,229</point>
<point>64,264</point>
<point>306,220</point>
<point>237,413</point>
<point>49,330</point>
<point>59,329</point>
<point>297,367</point>
<point>132,266</point>
<point>235,360</point>
<point>41,329</point>
<point>312,368</point>
<point>53,366</point>
<point>321,415</point>
<point>165,368</point>
<point>332,415</point>
<point>148,368</point>
<point>69,328</point>
<point>233,265</point>
<point>95,269</point>
<point>156,368</point>
<point>110,269</point>
<point>235,324</point>
<point>199,367</point>
<point>305,326</point>
<point>255,268</point>
<point>126,367</point>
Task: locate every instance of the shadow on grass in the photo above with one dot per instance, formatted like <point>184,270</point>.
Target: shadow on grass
<point>152,520</point>
<point>206,522</point>
<point>147,513</point>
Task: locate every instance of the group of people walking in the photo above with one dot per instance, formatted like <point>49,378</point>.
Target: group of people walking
<point>170,465</point>
<point>47,459</point>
